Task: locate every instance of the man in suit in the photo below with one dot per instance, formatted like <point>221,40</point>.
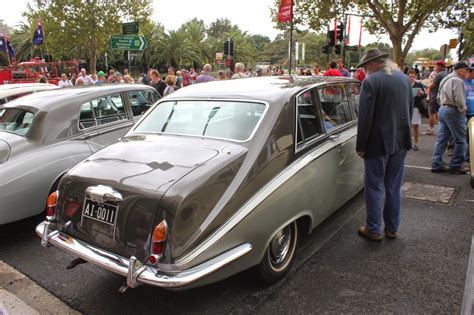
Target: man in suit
<point>383,139</point>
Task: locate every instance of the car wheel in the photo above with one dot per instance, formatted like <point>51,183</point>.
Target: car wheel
<point>279,254</point>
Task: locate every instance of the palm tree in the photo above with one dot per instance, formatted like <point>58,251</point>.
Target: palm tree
<point>21,40</point>
<point>195,31</point>
<point>244,46</point>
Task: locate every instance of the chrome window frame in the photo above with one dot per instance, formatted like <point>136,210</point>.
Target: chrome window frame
<point>344,125</point>
<point>311,140</point>
<point>257,125</point>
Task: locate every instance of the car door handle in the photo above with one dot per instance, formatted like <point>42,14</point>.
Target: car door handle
<point>334,137</point>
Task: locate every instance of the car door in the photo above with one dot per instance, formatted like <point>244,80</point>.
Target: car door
<point>103,120</point>
<point>339,117</point>
<point>318,178</point>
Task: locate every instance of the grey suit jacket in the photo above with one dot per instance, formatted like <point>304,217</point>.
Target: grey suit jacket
<point>385,110</point>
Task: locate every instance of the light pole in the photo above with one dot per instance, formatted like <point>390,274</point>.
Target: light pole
<point>106,64</point>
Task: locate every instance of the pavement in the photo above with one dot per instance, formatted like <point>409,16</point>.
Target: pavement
<point>429,269</point>
<point>20,295</point>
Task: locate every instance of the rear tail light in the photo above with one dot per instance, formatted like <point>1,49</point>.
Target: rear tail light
<point>157,242</point>
<point>51,206</point>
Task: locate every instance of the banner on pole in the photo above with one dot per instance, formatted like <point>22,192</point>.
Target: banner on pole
<point>285,12</point>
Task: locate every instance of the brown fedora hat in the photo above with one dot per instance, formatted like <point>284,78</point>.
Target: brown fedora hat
<point>369,55</point>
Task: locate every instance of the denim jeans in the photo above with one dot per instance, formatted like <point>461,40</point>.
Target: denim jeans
<point>451,123</point>
<point>384,176</point>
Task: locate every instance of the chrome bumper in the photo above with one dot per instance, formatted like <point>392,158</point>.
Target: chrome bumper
<point>131,268</point>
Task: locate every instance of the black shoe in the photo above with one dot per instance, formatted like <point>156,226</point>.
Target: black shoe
<point>441,169</point>
<point>459,170</point>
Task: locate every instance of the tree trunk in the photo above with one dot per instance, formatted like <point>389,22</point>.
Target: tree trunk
<point>397,51</point>
<point>93,53</point>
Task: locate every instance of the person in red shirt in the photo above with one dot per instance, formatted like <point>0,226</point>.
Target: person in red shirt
<point>332,72</point>
<point>360,74</point>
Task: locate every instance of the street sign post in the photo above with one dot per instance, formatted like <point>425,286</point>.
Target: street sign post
<point>128,42</point>
<point>130,28</point>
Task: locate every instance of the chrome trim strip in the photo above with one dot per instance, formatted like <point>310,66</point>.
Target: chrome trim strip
<point>135,272</point>
<point>263,193</point>
<point>131,131</point>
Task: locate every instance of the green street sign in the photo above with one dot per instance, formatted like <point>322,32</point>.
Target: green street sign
<point>128,42</point>
<point>130,28</point>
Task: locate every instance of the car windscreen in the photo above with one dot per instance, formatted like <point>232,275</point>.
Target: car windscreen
<point>216,119</point>
<point>15,120</point>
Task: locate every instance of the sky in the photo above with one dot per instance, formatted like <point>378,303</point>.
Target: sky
<point>252,16</point>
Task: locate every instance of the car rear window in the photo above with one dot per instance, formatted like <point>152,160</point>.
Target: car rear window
<point>216,119</point>
<point>15,120</point>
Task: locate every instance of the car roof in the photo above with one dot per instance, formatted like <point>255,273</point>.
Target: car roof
<point>271,88</point>
<point>8,90</point>
<point>48,99</point>
<point>4,87</point>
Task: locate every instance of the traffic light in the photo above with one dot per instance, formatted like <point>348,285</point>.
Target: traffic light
<point>337,49</point>
<point>327,49</point>
<point>330,36</point>
<point>229,48</point>
<point>340,32</point>
<point>226,47</point>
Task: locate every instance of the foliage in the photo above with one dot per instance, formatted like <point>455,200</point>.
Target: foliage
<point>78,27</point>
<point>429,53</point>
<point>468,38</point>
<point>402,20</point>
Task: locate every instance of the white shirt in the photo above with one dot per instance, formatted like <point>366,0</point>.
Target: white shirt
<point>64,83</point>
<point>87,79</point>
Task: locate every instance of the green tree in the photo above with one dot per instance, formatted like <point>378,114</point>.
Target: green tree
<point>218,28</point>
<point>195,34</point>
<point>87,24</point>
<point>468,38</point>
<point>244,47</point>
<point>402,20</point>
<point>429,53</point>
<point>21,40</point>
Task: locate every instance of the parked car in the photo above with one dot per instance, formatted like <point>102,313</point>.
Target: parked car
<point>44,134</point>
<point>9,92</point>
<point>214,179</point>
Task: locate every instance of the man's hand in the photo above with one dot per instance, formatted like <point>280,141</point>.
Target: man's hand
<point>361,154</point>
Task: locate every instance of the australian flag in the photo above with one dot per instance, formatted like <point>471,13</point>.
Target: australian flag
<point>6,46</point>
<point>38,36</point>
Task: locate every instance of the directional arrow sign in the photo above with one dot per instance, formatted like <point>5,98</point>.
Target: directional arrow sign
<point>128,42</point>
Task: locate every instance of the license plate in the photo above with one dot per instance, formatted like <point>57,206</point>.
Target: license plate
<point>102,212</point>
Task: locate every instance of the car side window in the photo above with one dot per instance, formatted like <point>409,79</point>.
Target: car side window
<point>103,110</point>
<point>308,123</point>
<point>141,101</point>
<point>354,93</point>
<point>336,109</point>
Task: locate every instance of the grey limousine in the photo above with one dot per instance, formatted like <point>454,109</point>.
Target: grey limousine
<point>44,134</point>
<point>214,179</point>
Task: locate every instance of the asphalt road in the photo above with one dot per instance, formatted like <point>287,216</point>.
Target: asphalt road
<point>423,271</point>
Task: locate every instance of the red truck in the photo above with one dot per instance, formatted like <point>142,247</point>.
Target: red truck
<point>37,70</point>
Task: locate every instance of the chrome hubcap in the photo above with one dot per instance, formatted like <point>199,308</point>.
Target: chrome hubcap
<point>280,245</point>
